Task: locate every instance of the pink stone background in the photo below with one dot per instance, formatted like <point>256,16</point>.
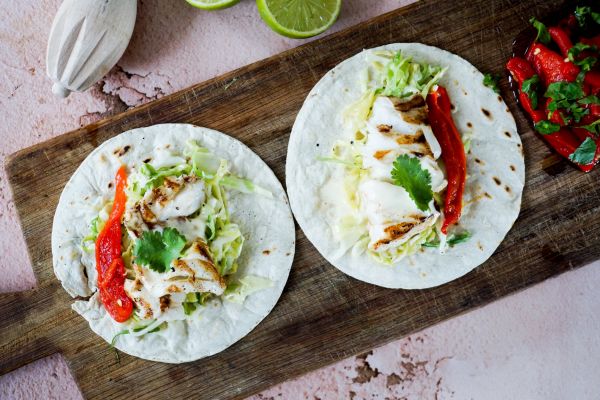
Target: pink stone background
<point>542,343</point>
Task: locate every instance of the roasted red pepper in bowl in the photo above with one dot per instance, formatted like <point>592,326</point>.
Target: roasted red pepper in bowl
<point>558,82</point>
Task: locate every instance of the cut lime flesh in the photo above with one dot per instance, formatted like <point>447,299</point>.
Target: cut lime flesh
<point>299,18</point>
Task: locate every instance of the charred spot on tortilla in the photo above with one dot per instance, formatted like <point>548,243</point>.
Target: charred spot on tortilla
<point>513,168</point>
<point>119,152</point>
<point>497,180</point>
<point>486,194</point>
<point>266,252</point>
<point>499,98</point>
<point>110,185</point>
<point>469,125</point>
<point>478,161</point>
<point>507,188</point>
<point>452,106</point>
<point>147,160</point>
<point>486,113</point>
<point>507,133</point>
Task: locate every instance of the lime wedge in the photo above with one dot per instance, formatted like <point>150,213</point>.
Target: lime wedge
<point>299,19</point>
<point>212,4</point>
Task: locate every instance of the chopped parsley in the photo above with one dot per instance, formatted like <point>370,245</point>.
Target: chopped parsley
<point>594,127</point>
<point>452,240</point>
<point>156,249</point>
<point>407,172</point>
<point>583,15</point>
<point>585,152</point>
<point>587,63</point>
<point>542,32</point>
<point>547,127</point>
<point>491,81</point>
<point>530,88</point>
<point>567,96</point>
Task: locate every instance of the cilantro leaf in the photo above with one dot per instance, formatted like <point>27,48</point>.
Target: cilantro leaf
<point>407,172</point>
<point>542,33</point>
<point>491,81</point>
<point>156,249</point>
<point>583,13</point>
<point>585,152</point>
<point>591,99</point>
<point>547,127</point>
<point>566,95</point>
<point>587,63</point>
<point>594,127</point>
<point>452,240</point>
<point>564,90</point>
<point>530,87</point>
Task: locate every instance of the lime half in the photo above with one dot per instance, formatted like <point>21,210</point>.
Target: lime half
<point>299,19</point>
<point>212,4</point>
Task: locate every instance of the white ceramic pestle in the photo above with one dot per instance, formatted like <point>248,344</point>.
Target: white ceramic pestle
<point>87,39</point>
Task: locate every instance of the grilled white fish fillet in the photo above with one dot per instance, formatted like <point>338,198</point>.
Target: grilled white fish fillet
<point>397,127</point>
<point>176,197</point>
<point>157,293</point>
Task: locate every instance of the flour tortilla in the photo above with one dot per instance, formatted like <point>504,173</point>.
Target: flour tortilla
<point>268,251</point>
<point>495,168</point>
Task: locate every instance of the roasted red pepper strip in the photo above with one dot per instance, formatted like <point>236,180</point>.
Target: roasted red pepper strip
<point>551,66</point>
<point>520,70</point>
<point>561,38</point>
<point>593,41</point>
<point>555,116</point>
<point>592,78</point>
<point>568,24</point>
<point>565,143</point>
<point>453,153</point>
<point>109,263</point>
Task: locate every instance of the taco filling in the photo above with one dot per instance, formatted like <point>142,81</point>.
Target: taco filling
<point>166,245</point>
<point>405,168</point>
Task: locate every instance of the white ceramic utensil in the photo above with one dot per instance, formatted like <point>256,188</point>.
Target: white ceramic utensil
<point>87,39</point>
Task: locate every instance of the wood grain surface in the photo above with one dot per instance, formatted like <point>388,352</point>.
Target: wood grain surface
<point>323,315</point>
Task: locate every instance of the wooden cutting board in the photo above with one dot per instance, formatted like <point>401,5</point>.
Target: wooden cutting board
<point>323,315</point>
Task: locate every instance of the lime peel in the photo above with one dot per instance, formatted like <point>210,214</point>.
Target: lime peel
<point>212,4</point>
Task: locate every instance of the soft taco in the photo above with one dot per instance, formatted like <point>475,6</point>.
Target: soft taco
<point>404,169</point>
<point>166,231</point>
